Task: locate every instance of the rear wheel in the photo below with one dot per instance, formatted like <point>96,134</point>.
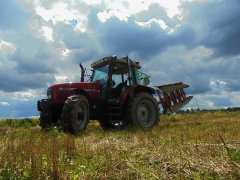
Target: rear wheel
<point>75,114</point>
<point>142,111</point>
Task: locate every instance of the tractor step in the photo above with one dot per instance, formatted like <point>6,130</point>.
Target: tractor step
<point>113,102</point>
<point>114,110</point>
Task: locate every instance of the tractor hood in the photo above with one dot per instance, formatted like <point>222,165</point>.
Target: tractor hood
<point>58,93</point>
<point>77,85</point>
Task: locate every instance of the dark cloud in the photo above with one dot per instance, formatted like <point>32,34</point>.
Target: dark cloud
<point>174,66</point>
<point>155,11</point>
<point>127,37</point>
<point>83,45</point>
<point>12,81</point>
<point>32,62</point>
<point>72,39</point>
<point>184,36</point>
<point>233,84</point>
<point>215,24</point>
<point>225,70</point>
<point>29,67</point>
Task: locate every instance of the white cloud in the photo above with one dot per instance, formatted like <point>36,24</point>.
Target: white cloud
<point>59,12</point>
<point>63,12</point>
<point>124,9</point>
<point>61,78</point>
<point>148,24</point>
<point>171,6</point>
<point>66,52</point>
<point>26,95</point>
<point>6,48</point>
<point>47,33</point>
<point>4,103</point>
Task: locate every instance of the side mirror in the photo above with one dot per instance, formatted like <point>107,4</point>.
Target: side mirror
<point>146,81</point>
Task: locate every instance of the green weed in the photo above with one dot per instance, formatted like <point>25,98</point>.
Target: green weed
<point>27,122</point>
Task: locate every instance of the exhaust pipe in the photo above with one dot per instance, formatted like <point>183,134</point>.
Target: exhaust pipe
<point>82,72</point>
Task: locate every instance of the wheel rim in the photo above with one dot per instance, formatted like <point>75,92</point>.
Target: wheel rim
<point>81,115</point>
<point>146,113</point>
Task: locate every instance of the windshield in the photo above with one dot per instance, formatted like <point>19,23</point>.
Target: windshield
<point>100,74</point>
<point>141,77</point>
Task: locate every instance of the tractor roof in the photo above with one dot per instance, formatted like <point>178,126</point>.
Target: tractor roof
<point>119,62</point>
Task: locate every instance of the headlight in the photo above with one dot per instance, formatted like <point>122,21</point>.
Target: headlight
<point>49,92</point>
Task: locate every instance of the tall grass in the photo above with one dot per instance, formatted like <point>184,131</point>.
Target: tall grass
<point>198,146</point>
<point>27,122</point>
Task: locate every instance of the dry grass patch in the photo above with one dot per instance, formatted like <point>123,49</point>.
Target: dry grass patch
<point>198,146</point>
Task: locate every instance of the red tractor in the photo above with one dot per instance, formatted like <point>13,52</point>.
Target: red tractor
<point>116,95</point>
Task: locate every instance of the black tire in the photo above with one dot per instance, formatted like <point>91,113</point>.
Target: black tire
<point>142,111</point>
<point>75,114</point>
<point>45,120</point>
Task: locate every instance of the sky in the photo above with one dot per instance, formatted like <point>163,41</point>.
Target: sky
<point>194,41</point>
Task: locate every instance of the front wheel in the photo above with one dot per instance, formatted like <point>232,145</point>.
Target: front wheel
<point>75,114</point>
<point>142,111</point>
<point>45,120</point>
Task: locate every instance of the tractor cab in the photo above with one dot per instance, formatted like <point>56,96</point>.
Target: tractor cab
<point>117,76</point>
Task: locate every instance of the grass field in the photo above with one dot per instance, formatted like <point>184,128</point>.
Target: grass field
<point>200,145</point>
